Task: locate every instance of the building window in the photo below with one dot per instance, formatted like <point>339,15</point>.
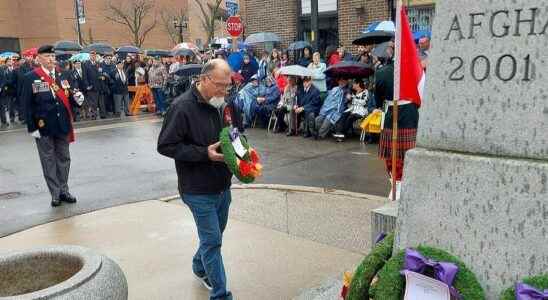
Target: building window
<point>323,6</point>
<point>421,17</point>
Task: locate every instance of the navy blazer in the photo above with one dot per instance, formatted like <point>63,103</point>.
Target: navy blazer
<point>311,100</point>
<point>45,112</point>
<point>118,87</point>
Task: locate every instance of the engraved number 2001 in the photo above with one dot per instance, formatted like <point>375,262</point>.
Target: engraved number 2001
<point>480,68</point>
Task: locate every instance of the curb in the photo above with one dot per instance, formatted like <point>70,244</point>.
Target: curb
<point>294,189</point>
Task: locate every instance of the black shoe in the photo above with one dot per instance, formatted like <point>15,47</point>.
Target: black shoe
<point>67,198</point>
<point>289,133</point>
<point>204,281</point>
<point>55,202</point>
<point>306,135</point>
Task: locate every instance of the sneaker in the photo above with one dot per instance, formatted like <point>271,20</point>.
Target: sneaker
<point>205,282</point>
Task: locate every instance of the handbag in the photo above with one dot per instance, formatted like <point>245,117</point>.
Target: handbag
<point>372,123</point>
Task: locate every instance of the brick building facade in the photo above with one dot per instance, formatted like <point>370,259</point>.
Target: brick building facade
<point>30,23</point>
<point>350,17</point>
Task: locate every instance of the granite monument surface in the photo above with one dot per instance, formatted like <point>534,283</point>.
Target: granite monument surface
<point>477,184</point>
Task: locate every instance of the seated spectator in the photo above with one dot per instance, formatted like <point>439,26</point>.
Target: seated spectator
<point>284,109</point>
<point>247,70</point>
<point>267,103</point>
<point>357,109</point>
<point>345,56</point>
<point>332,109</point>
<point>308,106</point>
<point>246,99</point>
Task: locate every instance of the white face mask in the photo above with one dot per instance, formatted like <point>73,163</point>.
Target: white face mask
<point>217,102</point>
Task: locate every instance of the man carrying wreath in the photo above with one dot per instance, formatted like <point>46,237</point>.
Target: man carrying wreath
<point>190,135</point>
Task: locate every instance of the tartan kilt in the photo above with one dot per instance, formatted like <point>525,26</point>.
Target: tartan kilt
<point>408,119</point>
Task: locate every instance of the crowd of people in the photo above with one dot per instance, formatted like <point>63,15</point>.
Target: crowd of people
<point>315,106</point>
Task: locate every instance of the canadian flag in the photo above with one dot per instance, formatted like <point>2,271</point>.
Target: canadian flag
<point>411,75</point>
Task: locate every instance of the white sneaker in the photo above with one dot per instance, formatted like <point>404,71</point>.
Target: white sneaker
<point>204,281</point>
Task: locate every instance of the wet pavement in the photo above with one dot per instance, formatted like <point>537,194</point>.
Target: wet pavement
<point>115,162</point>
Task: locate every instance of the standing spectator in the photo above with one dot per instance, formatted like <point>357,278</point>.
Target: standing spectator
<point>109,68</point>
<point>318,67</point>
<point>308,106</point>
<point>25,66</point>
<point>129,69</point>
<point>285,60</point>
<point>332,56</point>
<point>190,135</point>
<point>306,58</point>
<point>345,56</point>
<point>10,90</point>
<point>4,98</point>
<point>331,110</point>
<point>157,80</point>
<point>79,83</point>
<point>274,61</point>
<point>95,87</point>
<point>263,66</point>
<point>120,90</point>
<point>284,109</point>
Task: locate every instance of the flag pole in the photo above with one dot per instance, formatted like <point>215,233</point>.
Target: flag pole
<point>397,77</point>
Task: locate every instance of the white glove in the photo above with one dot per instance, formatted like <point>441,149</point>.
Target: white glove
<point>79,98</point>
<point>36,134</point>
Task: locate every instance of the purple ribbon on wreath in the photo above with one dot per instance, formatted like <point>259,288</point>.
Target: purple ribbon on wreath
<point>527,292</point>
<point>234,134</point>
<point>445,272</point>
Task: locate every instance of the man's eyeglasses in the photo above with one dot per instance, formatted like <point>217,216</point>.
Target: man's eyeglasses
<point>227,88</point>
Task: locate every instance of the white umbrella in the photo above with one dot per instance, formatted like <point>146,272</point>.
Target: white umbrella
<point>296,70</point>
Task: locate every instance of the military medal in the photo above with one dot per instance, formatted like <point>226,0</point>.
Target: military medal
<point>41,123</point>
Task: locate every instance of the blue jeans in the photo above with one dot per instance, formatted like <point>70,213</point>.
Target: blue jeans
<point>211,215</point>
<point>159,99</point>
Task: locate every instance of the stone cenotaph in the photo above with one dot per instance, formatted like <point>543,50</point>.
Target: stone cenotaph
<point>477,183</point>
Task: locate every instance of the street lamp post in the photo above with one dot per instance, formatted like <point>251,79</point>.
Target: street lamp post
<point>180,24</point>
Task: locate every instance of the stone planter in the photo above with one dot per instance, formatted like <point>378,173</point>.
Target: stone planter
<point>60,272</point>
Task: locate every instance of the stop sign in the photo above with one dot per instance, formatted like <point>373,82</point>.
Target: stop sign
<point>234,26</point>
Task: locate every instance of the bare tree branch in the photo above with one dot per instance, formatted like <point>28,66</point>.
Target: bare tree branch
<point>167,15</point>
<point>132,17</point>
<point>209,16</point>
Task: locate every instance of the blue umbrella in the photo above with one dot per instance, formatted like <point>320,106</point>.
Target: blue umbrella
<point>8,54</point>
<point>381,26</point>
<point>235,60</point>
<point>80,57</point>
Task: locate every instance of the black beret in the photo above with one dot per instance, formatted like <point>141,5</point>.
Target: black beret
<point>46,49</point>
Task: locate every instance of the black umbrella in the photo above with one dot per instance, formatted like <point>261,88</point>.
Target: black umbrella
<point>183,52</point>
<point>67,46</point>
<point>298,45</point>
<point>349,69</point>
<point>189,70</point>
<point>161,53</point>
<point>101,48</point>
<point>128,49</point>
<point>374,37</point>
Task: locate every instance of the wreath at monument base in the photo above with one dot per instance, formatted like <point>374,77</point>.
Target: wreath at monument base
<point>368,268</point>
<point>247,168</point>
<point>391,284</point>
<point>538,282</point>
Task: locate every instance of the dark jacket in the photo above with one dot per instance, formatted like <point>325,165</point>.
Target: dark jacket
<point>118,86</point>
<point>79,81</point>
<point>311,100</point>
<point>247,72</point>
<point>384,85</point>
<point>8,82</point>
<point>190,126</point>
<point>20,73</point>
<point>44,111</point>
<point>96,77</point>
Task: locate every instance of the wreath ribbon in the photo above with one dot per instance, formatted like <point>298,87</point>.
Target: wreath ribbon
<point>527,292</point>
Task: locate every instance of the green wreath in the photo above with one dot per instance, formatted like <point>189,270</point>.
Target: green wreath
<point>368,268</point>
<point>538,282</point>
<point>246,169</point>
<point>391,284</point>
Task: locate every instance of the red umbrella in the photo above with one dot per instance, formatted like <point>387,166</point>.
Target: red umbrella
<point>32,52</point>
